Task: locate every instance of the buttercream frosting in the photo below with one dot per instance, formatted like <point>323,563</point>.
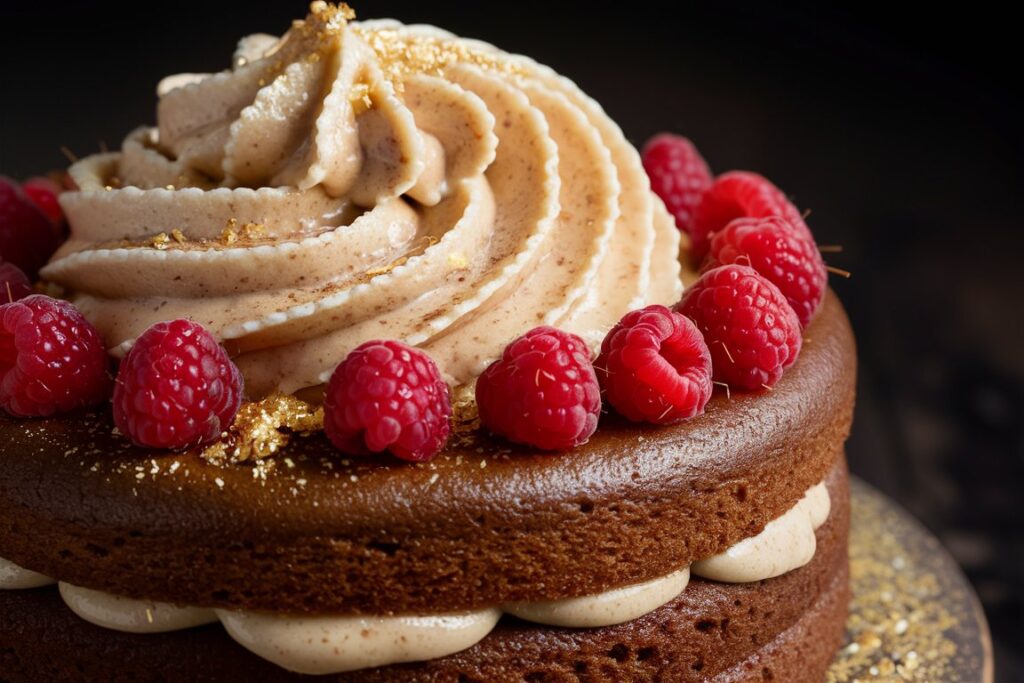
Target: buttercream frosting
<point>786,543</point>
<point>14,577</point>
<point>350,181</point>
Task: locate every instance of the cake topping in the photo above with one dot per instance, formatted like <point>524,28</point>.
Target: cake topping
<point>739,194</point>
<point>751,330</point>
<point>176,388</point>
<point>27,237</point>
<point>788,258</point>
<point>655,367</point>
<point>410,185</point>
<point>51,359</point>
<point>44,193</point>
<point>679,175</point>
<point>14,284</point>
<point>387,396</point>
<point>263,428</point>
<point>542,392</point>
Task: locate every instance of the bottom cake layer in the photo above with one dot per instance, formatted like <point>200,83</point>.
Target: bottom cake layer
<point>783,629</point>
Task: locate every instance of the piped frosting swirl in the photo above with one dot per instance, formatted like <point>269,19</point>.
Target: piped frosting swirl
<point>349,182</point>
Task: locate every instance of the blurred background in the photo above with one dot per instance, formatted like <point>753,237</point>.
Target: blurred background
<point>900,132</point>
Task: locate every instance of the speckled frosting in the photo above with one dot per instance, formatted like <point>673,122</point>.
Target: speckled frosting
<point>349,182</point>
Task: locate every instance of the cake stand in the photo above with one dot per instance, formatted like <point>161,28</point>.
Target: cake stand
<point>914,616</point>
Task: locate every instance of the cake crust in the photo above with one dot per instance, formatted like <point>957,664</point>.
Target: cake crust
<point>485,523</point>
<point>789,626</point>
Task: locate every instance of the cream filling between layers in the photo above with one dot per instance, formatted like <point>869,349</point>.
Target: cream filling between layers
<point>335,644</point>
<point>787,543</point>
<point>14,577</point>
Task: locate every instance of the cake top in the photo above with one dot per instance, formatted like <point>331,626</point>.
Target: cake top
<point>420,232</point>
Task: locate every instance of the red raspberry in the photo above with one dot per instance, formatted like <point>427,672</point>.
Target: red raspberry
<point>786,257</point>
<point>177,388</point>
<point>739,194</point>
<point>679,175</point>
<point>655,367</point>
<point>51,359</point>
<point>542,392</point>
<point>27,238</point>
<point>386,396</point>
<point>44,192</point>
<point>751,330</point>
<point>14,283</point>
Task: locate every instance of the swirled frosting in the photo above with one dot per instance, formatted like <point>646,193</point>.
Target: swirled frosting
<point>348,182</point>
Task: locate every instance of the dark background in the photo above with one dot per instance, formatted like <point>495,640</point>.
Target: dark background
<point>900,131</point>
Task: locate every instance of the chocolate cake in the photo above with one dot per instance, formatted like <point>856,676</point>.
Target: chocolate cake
<point>359,181</point>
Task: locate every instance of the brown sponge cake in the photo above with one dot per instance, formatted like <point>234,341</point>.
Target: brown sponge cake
<point>784,629</point>
<point>485,523</point>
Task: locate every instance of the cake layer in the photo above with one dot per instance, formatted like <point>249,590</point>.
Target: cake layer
<point>788,627</point>
<point>486,523</point>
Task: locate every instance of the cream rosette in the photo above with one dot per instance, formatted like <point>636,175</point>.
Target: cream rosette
<point>356,181</point>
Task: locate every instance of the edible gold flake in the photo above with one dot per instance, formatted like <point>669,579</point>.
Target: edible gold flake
<point>402,56</point>
<point>263,428</point>
<point>229,235</point>
<point>160,241</point>
<point>360,98</point>
<point>178,236</point>
<point>252,231</point>
<point>382,270</point>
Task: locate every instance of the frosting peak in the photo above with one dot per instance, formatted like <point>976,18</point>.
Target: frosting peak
<point>393,182</point>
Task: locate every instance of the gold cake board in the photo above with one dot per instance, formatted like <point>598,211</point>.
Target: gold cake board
<point>914,616</point>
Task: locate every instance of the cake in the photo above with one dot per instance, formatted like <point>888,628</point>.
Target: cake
<point>353,182</point>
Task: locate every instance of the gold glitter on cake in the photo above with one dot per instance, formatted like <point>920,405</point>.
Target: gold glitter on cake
<point>229,235</point>
<point>402,56</point>
<point>160,241</point>
<point>360,98</point>
<point>907,608</point>
<point>263,428</point>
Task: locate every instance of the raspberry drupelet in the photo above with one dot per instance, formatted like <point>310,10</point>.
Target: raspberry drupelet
<point>542,392</point>
<point>679,175</point>
<point>27,237</point>
<point>51,359</point>
<point>177,388</point>
<point>751,330</point>
<point>655,367</point>
<point>739,194</point>
<point>14,284</point>
<point>788,258</point>
<point>387,396</point>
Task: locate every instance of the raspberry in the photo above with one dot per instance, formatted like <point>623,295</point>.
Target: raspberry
<point>655,367</point>
<point>177,388</point>
<point>14,283</point>
<point>44,192</point>
<point>679,175</point>
<point>27,238</point>
<point>786,257</point>
<point>51,359</point>
<point>739,194</point>
<point>751,330</point>
<point>386,396</point>
<point>542,392</point>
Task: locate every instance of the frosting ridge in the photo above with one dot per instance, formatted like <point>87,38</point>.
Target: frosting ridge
<point>352,181</point>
